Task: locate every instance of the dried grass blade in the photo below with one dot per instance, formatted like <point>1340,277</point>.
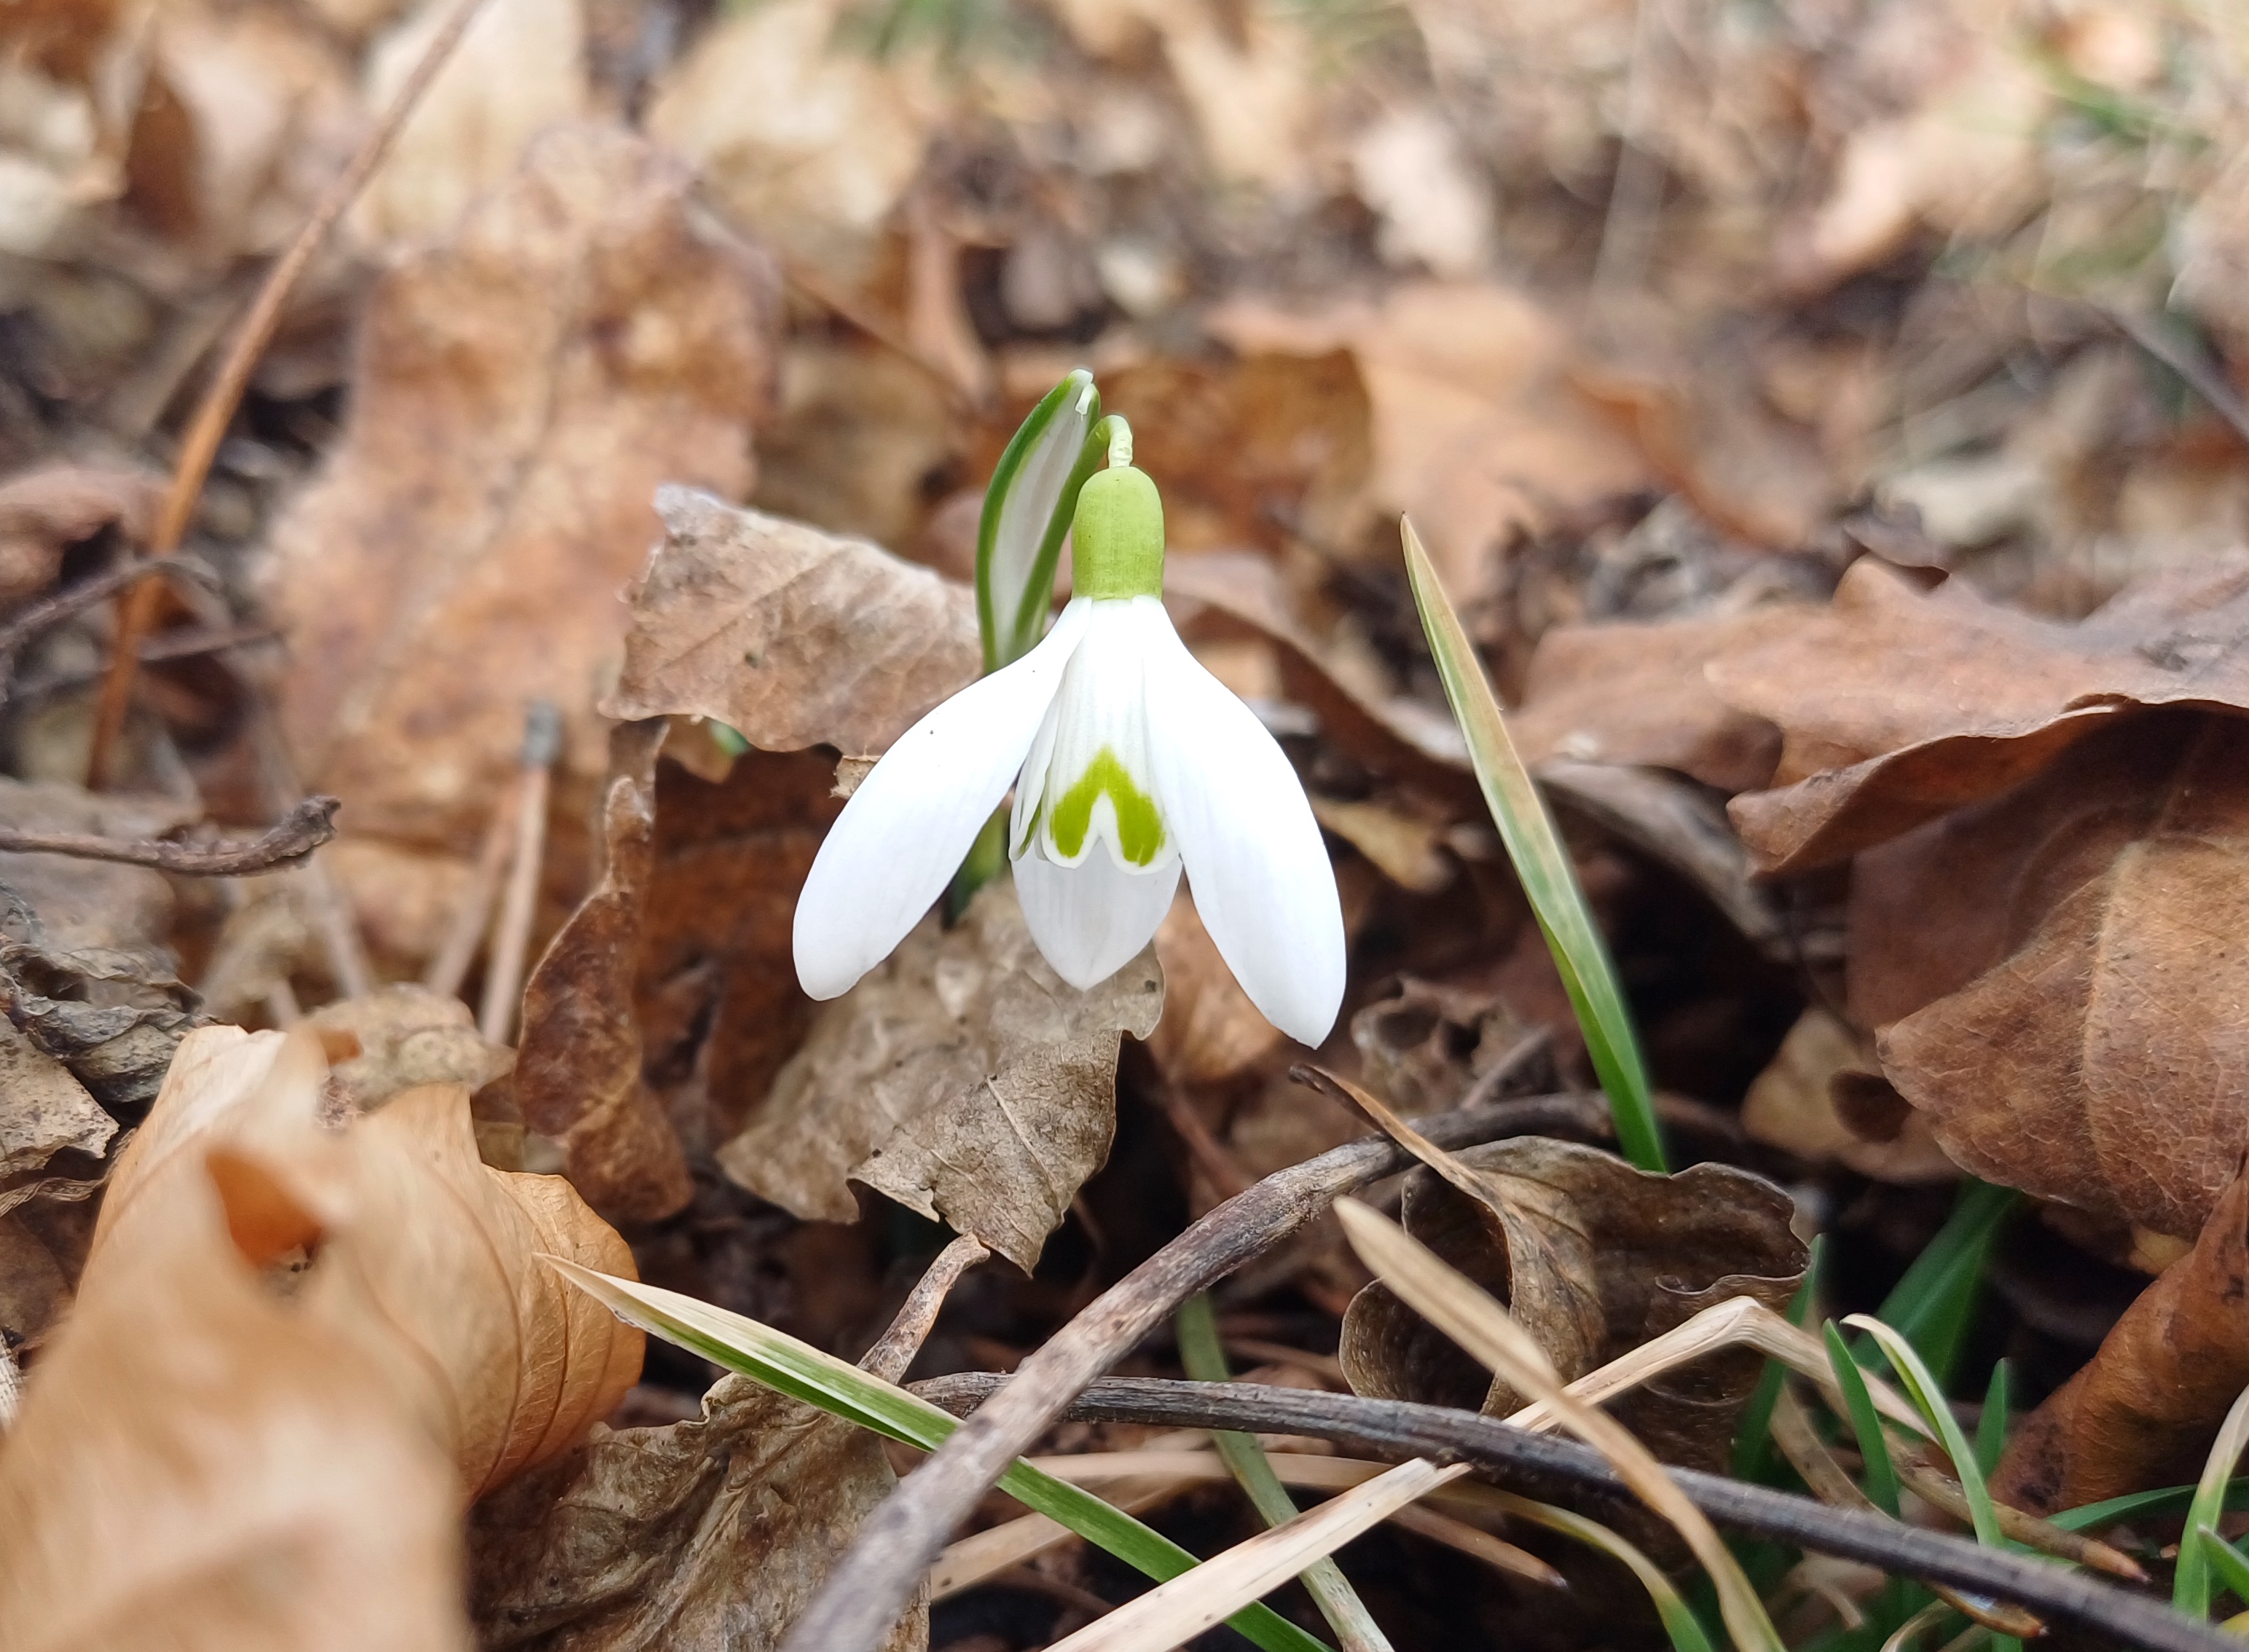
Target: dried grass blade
<point>1465,1314</point>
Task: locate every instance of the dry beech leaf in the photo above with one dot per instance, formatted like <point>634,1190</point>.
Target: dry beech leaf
<point>578,1070</point>
<point>523,389</point>
<point>962,1078</point>
<point>793,636</point>
<point>1897,704</point>
<point>1634,693</point>
<point>707,1536</point>
<point>2143,1410</point>
<point>2093,1061</point>
<point>427,1260</point>
<point>1593,1258</point>
<point>43,1109</point>
<point>1809,1101</point>
<point>280,1489</point>
<point>403,1035</point>
<point>45,510</point>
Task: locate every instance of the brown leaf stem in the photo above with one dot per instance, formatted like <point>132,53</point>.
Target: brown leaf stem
<point>873,1582</point>
<point>304,829</point>
<point>216,411</point>
<point>1398,1429</point>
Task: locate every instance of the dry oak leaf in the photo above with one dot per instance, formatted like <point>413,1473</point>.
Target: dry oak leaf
<point>586,335</point>
<point>1898,704</point>
<point>2099,1062</point>
<point>1634,693</point>
<point>792,637</point>
<point>2143,1410</point>
<point>1594,1258</point>
<point>578,1073</point>
<point>962,1078</point>
<point>280,1491</point>
<point>426,1259</point>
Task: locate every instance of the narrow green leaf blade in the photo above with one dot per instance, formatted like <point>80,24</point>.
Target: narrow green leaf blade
<point>1992,1427</point>
<point>1881,1480</point>
<point>2191,1584</point>
<point>1929,1400</point>
<point>802,1371</point>
<point>1027,512</point>
<point>1542,864</point>
<point>1934,1304</point>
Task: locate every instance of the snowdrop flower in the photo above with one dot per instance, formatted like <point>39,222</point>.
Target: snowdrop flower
<point>1130,762</point>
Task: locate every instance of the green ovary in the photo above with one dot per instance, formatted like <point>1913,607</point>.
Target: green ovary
<point>1139,823</point>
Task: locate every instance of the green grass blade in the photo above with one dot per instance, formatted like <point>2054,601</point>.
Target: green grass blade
<point>2228,1566</point>
<point>804,1373</point>
<point>1992,1427</point>
<point>2191,1584</point>
<point>1542,864</point>
<point>1929,1399</point>
<point>1203,1355</point>
<point>1934,1304</point>
<point>1027,512</point>
<point>1680,1622</point>
<point>1880,1476</point>
<point>2169,1499</point>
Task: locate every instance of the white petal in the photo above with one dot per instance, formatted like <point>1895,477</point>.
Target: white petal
<point>1262,884</point>
<point>902,836</point>
<point>1092,919</point>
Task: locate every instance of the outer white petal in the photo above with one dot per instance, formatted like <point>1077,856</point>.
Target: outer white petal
<point>1262,884</point>
<point>903,834</point>
<point>1092,919</point>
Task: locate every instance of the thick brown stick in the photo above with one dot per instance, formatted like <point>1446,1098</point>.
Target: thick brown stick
<point>1396,1429</point>
<point>216,411</point>
<point>304,829</point>
<point>871,1584</point>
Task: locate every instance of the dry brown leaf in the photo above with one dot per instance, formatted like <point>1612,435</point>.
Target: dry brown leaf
<point>112,1018</point>
<point>1898,704</point>
<point>90,903</point>
<point>793,636</point>
<point>706,1536</point>
<point>1634,693</point>
<point>1597,1257</point>
<point>523,390</point>
<point>962,1078</point>
<point>426,1260</point>
<point>2095,1062</point>
<point>1426,1044</point>
<point>2143,1410</point>
<point>42,511</point>
<point>281,1490</point>
<point>43,1109</point>
<point>400,1036</point>
<point>1802,1103</point>
<point>578,1074</point>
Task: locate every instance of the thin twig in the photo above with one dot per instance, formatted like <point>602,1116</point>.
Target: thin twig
<point>1397,1428</point>
<point>304,829</point>
<point>872,1583</point>
<point>542,743</point>
<point>216,411</point>
<point>28,622</point>
<point>894,1350</point>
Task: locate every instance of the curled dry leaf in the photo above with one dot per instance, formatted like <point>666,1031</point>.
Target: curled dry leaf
<point>586,335</point>
<point>45,510</point>
<point>793,636</point>
<point>113,1018</point>
<point>1809,1101</point>
<point>400,1036</point>
<point>1899,704</point>
<point>1426,1046</point>
<point>2143,1410</point>
<point>1593,1258</point>
<point>2090,1055</point>
<point>962,1078</point>
<point>578,1075</point>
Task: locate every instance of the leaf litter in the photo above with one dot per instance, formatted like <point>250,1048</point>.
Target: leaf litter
<point>1829,432</point>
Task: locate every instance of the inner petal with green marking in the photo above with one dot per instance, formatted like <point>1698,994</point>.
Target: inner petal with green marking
<point>1139,823</point>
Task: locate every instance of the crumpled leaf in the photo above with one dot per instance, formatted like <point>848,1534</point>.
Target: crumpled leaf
<point>404,1035</point>
<point>578,1073</point>
<point>113,1018</point>
<point>792,637</point>
<point>1634,693</point>
<point>1811,1101</point>
<point>2143,1410</point>
<point>2093,1060</point>
<point>1593,1257</point>
<point>45,509</point>
<point>1897,704</point>
<point>962,1078</point>
<point>43,1109</point>
<point>710,1535</point>
<point>1425,1045</point>
<point>586,335</point>
<point>423,1258</point>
